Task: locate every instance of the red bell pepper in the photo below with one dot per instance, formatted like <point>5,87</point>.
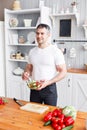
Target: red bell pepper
<point>68,121</point>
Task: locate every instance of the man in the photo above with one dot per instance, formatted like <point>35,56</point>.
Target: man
<point>46,65</point>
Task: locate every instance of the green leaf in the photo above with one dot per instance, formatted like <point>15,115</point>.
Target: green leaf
<point>68,127</point>
<point>47,123</point>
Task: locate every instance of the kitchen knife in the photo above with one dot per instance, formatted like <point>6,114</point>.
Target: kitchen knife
<point>18,102</point>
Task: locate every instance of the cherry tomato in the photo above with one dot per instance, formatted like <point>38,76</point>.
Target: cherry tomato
<point>62,126</point>
<point>48,116</point>
<point>59,112</point>
<point>1,101</point>
<point>60,121</point>
<point>58,128</point>
<point>61,116</point>
<point>55,120</point>
<point>55,112</point>
<point>54,125</point>
<point>38,83</point>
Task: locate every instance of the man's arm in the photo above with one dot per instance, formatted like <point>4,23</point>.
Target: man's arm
<point>27,72</point>
<point>62,73</point>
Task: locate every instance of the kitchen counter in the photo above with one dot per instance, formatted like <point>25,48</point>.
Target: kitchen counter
<point>75,70</point>
<point>13,118</point>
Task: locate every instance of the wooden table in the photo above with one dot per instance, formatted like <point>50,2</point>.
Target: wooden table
<point>12,118</point>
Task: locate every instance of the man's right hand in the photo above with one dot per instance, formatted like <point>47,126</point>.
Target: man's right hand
<point>25,76</point>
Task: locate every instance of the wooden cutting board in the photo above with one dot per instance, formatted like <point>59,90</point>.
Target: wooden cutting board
<point>34,108</point>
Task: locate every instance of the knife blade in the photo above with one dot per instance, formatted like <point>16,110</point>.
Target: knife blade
<point>17,101</point>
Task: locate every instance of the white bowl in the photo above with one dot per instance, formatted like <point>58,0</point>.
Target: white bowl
<point>18,71</point>
<point>27,22</point>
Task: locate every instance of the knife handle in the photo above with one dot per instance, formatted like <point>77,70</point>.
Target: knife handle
<point>19,103</point>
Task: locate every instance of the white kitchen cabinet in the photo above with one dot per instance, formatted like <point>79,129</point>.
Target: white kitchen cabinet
<point>64,89</point>
<point>72,90</point>
<point>14,89</point>
<point>18,89</point>
<point>79,92</point>
<point>14,86</point>
<point>25,91</point>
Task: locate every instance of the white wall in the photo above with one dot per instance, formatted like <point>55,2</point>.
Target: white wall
<point>2,65</point>
<point>59,4</point>
<point>77,33</point>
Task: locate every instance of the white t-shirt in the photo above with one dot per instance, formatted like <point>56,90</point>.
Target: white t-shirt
<point>44,62</point>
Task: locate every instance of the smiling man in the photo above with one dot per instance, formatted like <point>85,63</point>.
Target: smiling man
<point>47,65</point>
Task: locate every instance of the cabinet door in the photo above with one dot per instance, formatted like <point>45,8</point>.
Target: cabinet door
<point>25,91</point>
<point>64,89</point>
<point>13,89</point>
<point>80,91</point>
<point>18,89</point>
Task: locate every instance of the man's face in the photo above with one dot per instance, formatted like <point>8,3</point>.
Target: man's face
<point>42,35</point>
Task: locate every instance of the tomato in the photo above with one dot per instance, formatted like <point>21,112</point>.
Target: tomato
<point>58,128</point>
<point>55,112</point>
<point>59,112</point>
<point>61,116</point>
<point>62,126</point>
<point>60,121</point>
<point>55,120</point>
<point>2,101</point>
<point>54,125</point>
<point>38,83</point>
<point>48,116</point>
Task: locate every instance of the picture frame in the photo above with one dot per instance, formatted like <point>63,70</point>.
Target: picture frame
<point>65,28</point>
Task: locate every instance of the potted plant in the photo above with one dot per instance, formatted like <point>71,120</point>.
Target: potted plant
<point>74,6</point>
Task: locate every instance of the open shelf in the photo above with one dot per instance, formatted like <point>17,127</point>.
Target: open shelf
<point>76,15</point>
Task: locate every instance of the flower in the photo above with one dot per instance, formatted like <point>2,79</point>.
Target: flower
<point>74,3</point>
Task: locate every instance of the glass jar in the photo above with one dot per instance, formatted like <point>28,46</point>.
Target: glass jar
<point>21,39</point>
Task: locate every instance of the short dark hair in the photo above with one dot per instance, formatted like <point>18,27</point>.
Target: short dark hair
<point>44,26</point>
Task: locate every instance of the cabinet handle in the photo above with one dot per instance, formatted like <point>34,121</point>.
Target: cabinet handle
<point>68,82</point>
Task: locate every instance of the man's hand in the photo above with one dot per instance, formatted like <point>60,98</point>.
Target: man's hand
<point>44,84</point>
<point>25,76</point>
